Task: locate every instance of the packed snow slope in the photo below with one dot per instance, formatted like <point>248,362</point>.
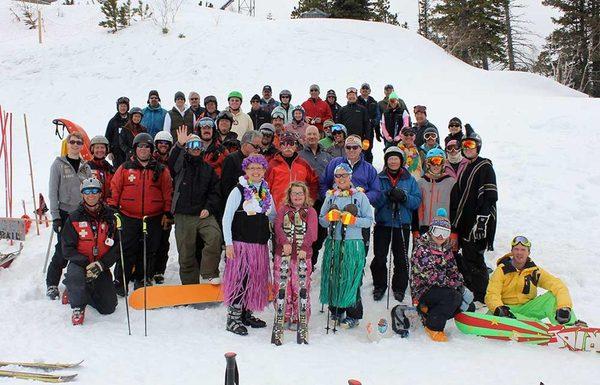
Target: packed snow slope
<point>541,136</point>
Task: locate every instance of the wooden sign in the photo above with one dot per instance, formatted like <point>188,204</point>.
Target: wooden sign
<point>12,228</point>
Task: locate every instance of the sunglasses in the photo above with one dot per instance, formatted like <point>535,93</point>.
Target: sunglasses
<point>194,98</point>
<point>438,231</point>
<point>470,144</point>
<point>314,90</point>
<point>76,142</point>
<point>452,149</point>
<point>340,176</point>
<point>519,239</point>
<point>285,97</point>
<point>454,125</point>
<point>91,191</point>
<point>254,101</point>
<point>436,160</point>
<point>153,98</point>
<point>194,145</point>
<point>159,142</point>
<point>143,145</point>
<point>288,143</point>
<point>255,146</point>
<point>430,136</point>
<point>410,133</point>
<point>352,147</point>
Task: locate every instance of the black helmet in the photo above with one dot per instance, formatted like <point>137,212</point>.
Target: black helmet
<point>123,100</point>
<point>136,110</point>
<point>224,115</point>
<point>472,135</point>
<point>285,93</point>
<point>210,98</point>
<point>143,137</point>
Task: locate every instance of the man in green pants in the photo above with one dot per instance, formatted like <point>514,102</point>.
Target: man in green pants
<point>512,289</point>
<point>195,203</point>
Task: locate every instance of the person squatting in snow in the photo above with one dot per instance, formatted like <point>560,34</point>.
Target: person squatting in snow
<point>212,183</point>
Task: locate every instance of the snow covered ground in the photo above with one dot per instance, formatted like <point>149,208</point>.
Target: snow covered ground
<point>541,136</point>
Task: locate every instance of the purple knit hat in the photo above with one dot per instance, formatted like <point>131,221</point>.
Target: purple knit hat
<point>258,159</point>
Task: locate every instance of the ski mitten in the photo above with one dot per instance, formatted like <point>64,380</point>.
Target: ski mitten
<point>480,227</point>
<point>563,315</point>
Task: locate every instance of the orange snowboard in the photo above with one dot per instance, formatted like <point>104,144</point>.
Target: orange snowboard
<point>175,295</point>
<point>72,127</point>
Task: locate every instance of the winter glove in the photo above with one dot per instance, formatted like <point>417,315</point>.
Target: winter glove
<point>347,218</point>
<point>397,195</point>
<point>165,222</point>
<point>503,311</point>
<point>416,234</point>
<point>480,227</point>
<point>333,215</point>
<point>563,315</point>
<point>92,271</point>
<point>57,225</point>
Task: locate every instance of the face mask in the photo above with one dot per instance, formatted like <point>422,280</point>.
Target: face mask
<point>455,157</point>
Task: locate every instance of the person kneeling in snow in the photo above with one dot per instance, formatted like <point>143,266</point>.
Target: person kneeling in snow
<point>512,290</point>
<point>436,284</point>
<point>90,244</point>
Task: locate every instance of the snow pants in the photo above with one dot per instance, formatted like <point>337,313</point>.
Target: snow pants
<point>293,287</point>
<point>133,247</point>
<point>187,228</point>
<point>474,269</point>
<point>539,308</point>
<point>162,254</point>
<point>100,293</point>
<point>441,304</point>
<point>321,235</point>
<point>58,262</point>
<point>398,237</point>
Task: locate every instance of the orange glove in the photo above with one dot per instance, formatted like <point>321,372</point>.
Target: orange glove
<point>416,234</point>
<point>454,241</point>
<point>348,219</point>
<point>366,144</point>
<point>333,215</point>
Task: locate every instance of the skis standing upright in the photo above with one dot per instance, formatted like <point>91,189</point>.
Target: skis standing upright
<point>284,268</point>
<point>299,232</point>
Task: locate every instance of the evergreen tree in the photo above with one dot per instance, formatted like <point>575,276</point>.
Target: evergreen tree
<point>381,12</point>
<point>110,9</point>
<point>424,18</point>
<point>516,38</point>
<point>572,52</point>
<point>125,13</point>
<point>307,5</point>
<point>351,9</point>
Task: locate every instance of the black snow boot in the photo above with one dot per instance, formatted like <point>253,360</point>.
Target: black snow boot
<point>249,320</point>
<point>234,321</point>
<point>378,293</point>
<point>120,289</point>
<point>52,292</point>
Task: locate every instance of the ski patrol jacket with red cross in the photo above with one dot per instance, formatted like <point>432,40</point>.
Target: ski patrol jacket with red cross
<point>103,171</point>
<point>89,237</point>
<point>138,191</point>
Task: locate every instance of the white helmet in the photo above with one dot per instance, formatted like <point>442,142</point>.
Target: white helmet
<point>163,135</point>
<point>90,183</point>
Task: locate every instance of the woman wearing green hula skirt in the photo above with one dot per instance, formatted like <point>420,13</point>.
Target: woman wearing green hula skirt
<point>345,212</point>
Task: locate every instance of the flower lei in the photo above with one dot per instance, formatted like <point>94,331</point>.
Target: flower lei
<point>260,194</point>
<point>345,193</point>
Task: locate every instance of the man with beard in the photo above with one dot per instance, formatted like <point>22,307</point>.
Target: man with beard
<point>214,151</point>
<point>194,113</point>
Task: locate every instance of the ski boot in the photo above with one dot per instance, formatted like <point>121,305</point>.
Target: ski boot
<point>349,323</point>
<point>78,316</point>
<point>159,279</point>
<point>119,288</point>
<point>399,296</point>
<point>234,321</point>
<point>436,336</point>
<point>65,297</point>
<point>378,293</point>
<point>249,320</point>
<point>139,283</point>
<point>214,281</point>
<point>52,292</point>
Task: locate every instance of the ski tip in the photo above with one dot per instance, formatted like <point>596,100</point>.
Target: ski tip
<point>354,382</point>
<point>230,355</point>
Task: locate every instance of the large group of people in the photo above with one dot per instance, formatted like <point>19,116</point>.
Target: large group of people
<point>300,177</point>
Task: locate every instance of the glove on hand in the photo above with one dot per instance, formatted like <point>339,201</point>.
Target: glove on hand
<point>563,315</point>
<point>480,227</point>
<point>503,311</point>
<point>348,219</point>
<point>57,225</point>
<point>397,195</point>
<point>92,271</point>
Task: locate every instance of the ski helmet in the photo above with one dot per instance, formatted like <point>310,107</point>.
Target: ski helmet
<point>224,115</point>
<point>255,97</point>
<point>123,100</point>
<point>235,94</point>
<point>285,93</point>
<point>163,136</point>
<point>210,98</point>
<point>143,137</point>
<point>299,108</point>
<point>434,152</point>
<point>206,121</point>
<point>393,151</point>
<point>400,322</point>
<point>98,139</point>
<point>339,127</point>
<point>90,183</point>
<point>136,110</point>
<point>472,135</point>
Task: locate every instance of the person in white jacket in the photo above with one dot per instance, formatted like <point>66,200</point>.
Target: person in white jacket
<point>241,121</point>
<point>175,117</point>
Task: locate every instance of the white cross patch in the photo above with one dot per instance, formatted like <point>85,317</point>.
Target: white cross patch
<point>83,233</point>
<point>131,178</point>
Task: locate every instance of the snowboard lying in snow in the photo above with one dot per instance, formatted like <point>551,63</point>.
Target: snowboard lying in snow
<point>574,338</point>
<point>159,296</point>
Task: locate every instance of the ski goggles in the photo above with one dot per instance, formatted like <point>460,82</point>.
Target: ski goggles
<point>337,129</point>
<point>194,145</point>
<point>206,122</point>
<point>438,231</point>
<point>268,133</point>
<point>436,160</point>
<point>452,148</point>
<point>469,143</point>
<point>278,115</point>
<point>91,190</point>
<point>351,90</point>
<point>164,142</point>
<point>430,136</point>
<point>521,240</point>
<point>123,100</point>
<point>287,142</point>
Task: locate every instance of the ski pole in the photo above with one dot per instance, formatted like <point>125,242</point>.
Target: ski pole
<point>232,376</point>
<point>48,251</point>
<point>119,228</point>
<point>145,231</point>
<point>404,249</point>
<point>390,256</point>
<point>329,288</point>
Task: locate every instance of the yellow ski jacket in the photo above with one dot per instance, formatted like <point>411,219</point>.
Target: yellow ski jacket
<point>509,286</point>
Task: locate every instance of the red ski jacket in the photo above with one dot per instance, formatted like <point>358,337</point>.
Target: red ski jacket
<point>317,109</point>
<point>279,176</point>
<point>139,191</point>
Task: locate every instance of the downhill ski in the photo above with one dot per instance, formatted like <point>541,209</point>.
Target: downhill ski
<point>41,365</point>
<point>299,232</point>
<point>54,378</point>
<point>277,335</point>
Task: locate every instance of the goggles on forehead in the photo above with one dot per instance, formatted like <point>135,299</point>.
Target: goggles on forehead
<point>438,231</point>
<point>90,190</point>
<point>471,144</point>
<point>194,145</point>
<point>278,115</point>
<point>519,239</point>
<point>436,160</point>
